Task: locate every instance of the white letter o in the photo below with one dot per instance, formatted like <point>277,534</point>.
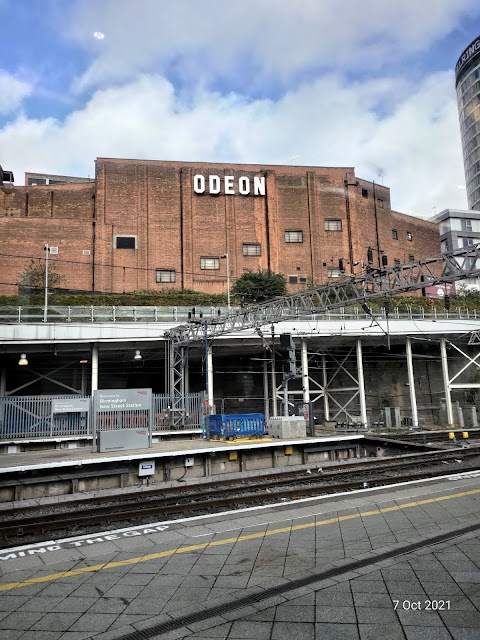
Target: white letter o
<point>199,184</point>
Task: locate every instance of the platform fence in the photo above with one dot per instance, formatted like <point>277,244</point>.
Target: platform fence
<point>25,417</point>
<point>35,314</point>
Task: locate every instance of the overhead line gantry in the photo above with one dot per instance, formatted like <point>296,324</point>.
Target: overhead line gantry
<point>351,290</point>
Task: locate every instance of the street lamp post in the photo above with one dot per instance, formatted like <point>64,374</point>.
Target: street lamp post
<point>225,255</point>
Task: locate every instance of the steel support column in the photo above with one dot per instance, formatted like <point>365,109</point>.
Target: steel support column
<point>446,381</point>
<point>411,384</point>
<point>3,382</point>
<point>186,376</point>
<point>305,378</point>
<point>285,397</point>
<point>176,356</point>
<point>361,382</point>
<point>83,383</point>
<point>265,388</point>
<point>209,368</point>
<point>273,375</point>
<point>94,384</point>
<point>326,405</point>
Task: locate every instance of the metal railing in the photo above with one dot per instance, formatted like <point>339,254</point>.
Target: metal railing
<point>162,412</point>
<point>23,417</point>
<point>107,314</point>
<point>28,314</point>
<point>32,417</point>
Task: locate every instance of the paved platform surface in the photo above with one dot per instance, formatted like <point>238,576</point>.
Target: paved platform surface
<point>56,458</point>
<point>293,572</point>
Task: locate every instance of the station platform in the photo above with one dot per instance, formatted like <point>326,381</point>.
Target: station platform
<point>62,458</point>
<point>53,473</point>
<point>397,563</point>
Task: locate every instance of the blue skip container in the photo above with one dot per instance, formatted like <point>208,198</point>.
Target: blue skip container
<point>237,425</point>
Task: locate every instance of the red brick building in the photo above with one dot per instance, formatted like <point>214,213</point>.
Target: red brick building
<point>150,225</point>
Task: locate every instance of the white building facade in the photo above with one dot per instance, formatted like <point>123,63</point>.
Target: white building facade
<point>459,229</point>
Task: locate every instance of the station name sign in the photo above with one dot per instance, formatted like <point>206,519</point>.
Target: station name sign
<point>122,399</point>
<point>470,52</point>
<point>231,186</point>
<point>70,405</point>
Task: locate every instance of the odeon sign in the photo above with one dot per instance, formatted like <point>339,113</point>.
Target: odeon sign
<point>244,186</point>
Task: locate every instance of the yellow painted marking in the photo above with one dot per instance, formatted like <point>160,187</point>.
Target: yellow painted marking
<point>217,543</point>
<point>241,440</point>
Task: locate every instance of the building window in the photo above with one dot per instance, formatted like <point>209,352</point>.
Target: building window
<point>333,225</point>
<point>293,236</point>
<point>396,262</point>
<point>165,275</point>
<point>364,193</point>
<point>293,279</point>
<point>380,203</point>
<point>409,235</point>
<point>411,257</point>
<point>302,279</point>
<point>466,225</point>
<point>470,262</point>
<point>467,242</point>
<point>125,242</point>
<point>251,249</point>
<point>394,234</point>
<point>210,263</point>
<point>334,273</point>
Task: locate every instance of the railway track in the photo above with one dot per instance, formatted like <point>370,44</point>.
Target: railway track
<point>429,436</point>
<point>88,516</point>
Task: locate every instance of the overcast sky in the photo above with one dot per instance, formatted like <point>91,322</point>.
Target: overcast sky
<point>367,83</point>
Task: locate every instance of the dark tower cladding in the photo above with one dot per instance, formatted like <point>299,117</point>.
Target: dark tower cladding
<point>467,79</point>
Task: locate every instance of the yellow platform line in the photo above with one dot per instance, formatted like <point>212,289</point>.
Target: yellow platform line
<point>242,440</point>
<point>225,541</point>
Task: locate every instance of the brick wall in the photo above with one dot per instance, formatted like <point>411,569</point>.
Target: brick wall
<point>23,239</point>
<point>60,215</point>
<point>175,227</point>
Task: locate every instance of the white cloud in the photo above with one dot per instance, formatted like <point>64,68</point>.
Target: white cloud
<point>12,92</point>
<point>277,38</point>
<point>325,123</point>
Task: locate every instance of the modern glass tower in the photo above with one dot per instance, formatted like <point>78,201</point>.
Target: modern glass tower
<point>467,77</point>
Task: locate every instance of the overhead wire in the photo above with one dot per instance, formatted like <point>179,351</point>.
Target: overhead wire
<point>85,263</point>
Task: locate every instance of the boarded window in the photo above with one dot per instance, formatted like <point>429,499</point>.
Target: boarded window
<point>252,249</point>
<point>209,263</point>
<point>333,225</point>
<point>293,236</point>
<point>165,275</point>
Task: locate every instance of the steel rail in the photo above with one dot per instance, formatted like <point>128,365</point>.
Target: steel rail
<point>202,501</point>
<point>217,487</point>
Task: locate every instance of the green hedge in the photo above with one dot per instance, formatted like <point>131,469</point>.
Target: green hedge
<point>169,298</point>
<point>187,298</point>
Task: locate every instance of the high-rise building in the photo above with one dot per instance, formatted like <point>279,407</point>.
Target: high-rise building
<point>460,230</point>
<point>467,78</point>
